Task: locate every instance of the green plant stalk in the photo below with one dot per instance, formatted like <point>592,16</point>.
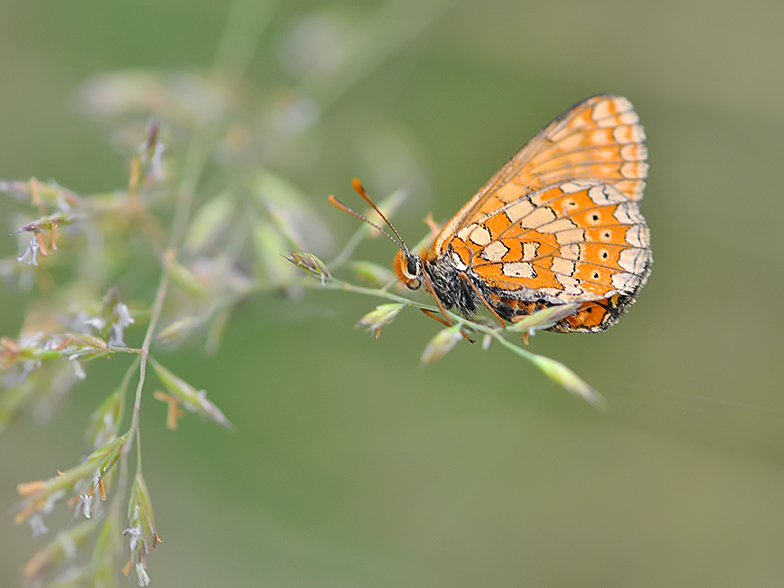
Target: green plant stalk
<point>554,370</point>
<point>242,44</point>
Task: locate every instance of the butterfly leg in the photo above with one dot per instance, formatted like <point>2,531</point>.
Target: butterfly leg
<point>444,322</point>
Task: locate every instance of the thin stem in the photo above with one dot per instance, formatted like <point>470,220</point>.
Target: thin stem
<point>196,158</point>
<point>551,368</point>
<point>123,478</point>
<point>335,284</point>
<point>495,334</point>
<point>391,29</point>
<point>155,315</point>
<point>245,24</point>
<point>239,40</point>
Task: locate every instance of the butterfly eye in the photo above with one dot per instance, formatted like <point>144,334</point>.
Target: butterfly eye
<point>413,268</point>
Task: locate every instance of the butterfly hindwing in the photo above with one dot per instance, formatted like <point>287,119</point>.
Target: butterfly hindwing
<point>574,242</point>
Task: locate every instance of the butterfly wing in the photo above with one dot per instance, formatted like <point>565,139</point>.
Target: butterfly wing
<point>560,221</point>
<point>577,241</point>
<point>598,139</point>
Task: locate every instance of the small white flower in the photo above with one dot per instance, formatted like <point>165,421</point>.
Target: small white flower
<point>36,523</point>
<point>78,369</point>
<point>123,314</point>
<point>141,575</point>
<point>86,505</point>
<point>28,367</point>
<point>116,338</point>
<point>155,171</point>
<point>135,534</point>
<point>95,322</point>
<point>124,318</point>
<point>29,255</point>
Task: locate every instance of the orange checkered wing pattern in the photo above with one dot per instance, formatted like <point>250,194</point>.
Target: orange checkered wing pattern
<point>560,222</point>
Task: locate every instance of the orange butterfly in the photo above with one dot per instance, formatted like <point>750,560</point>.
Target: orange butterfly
<point>559,223</point>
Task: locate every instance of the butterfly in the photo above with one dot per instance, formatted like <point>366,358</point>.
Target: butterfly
<point>559,223</point>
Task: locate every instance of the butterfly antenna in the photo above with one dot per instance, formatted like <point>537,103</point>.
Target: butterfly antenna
<point>357,185</point>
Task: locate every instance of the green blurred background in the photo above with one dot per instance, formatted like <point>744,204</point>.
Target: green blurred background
<point>354,466</point>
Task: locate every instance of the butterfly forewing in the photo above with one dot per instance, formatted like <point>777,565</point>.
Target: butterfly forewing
<point>560,221</point>
<point>600,139</point>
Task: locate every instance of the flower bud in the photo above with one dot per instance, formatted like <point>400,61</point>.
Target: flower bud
<point>442,344</point>
<point>382,315</point>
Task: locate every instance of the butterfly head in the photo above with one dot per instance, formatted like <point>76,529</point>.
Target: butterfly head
<point>408,267</point>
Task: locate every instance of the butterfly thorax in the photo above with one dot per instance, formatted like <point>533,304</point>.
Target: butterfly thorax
<point>444,280</point>
<point>453,285</point>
